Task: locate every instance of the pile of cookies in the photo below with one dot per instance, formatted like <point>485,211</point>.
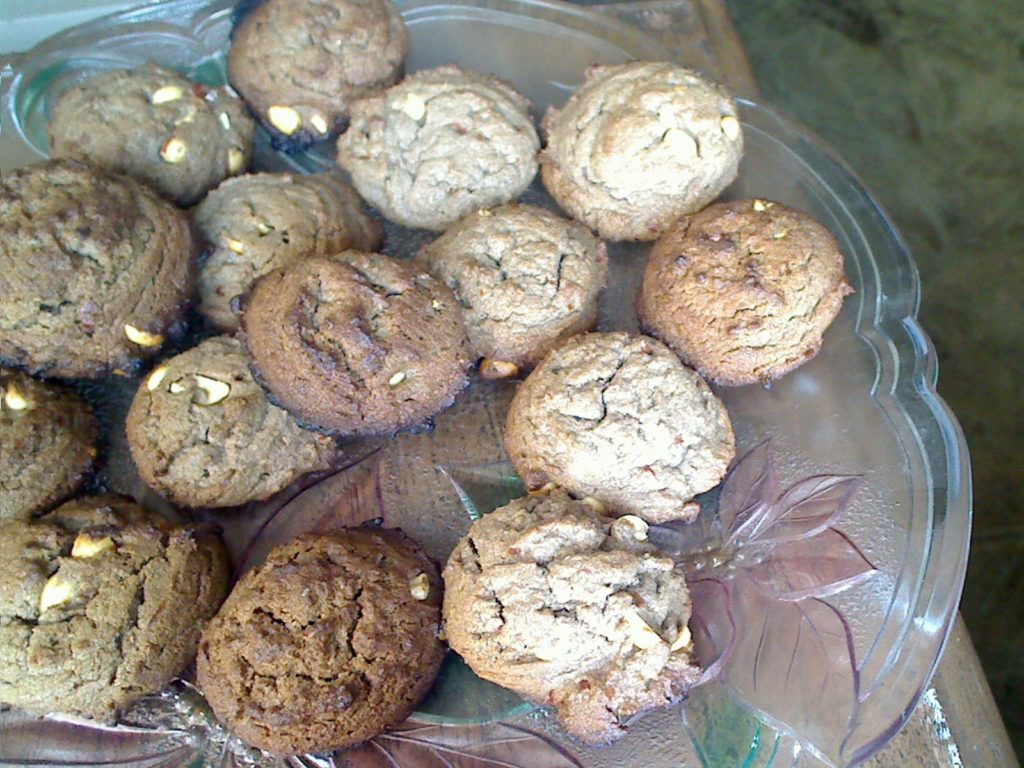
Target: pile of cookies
<point>310,336</point>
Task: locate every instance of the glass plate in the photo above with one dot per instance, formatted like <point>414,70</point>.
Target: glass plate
<point>840,593</point>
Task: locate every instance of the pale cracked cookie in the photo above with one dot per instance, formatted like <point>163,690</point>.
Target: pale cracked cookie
<point>299,63</point>
<point>526,279</point>
<point>356,343</point>
<point>95,270</point>
<point>638,146</point>
<point>101,603</point>
<point>47,444</point>
<point>203,434</point>
<point>258,223</point>
<point>743,291</point>
<point>617,417</point>
<point>440,144</point>
<point>572,609</point>
<point>157,126</point>
<point>331,641</point>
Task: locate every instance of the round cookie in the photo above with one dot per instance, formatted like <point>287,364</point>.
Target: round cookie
<point>356,343</point>
<point>565,606</point>
<point>203,434</point>
<point>331,641</point>
<point>256,224</point>
<point>743,291</point>
<point>638,146</point>
<point>440,144</point>
<point>300,63</point>
<point>526,279</point>
<point>101,603</point>
<point>95,269</point>
<point>617,417</point>
<point>47,441</point>
<point>158,127</point>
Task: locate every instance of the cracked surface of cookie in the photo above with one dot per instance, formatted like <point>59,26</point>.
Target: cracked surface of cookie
<point>258,223</point>
<point>157,126</point>
<point>525,277</point>
<point>638,146</point>
<point>203,434</point>
<point>327,644</point>
<point>617,417</point>
<point>101,602</point>
<point>300,63</point>
<point>442,143</point>
<point>356,343</point>
<point>552,599</point>
<point>47,441</point>
<point>95,269</point>
<point>743,291</point>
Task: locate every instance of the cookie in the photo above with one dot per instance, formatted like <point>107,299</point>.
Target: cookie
<point>356,343</point>
<point>203,434</point>
<point>331,641</point>
<point>442,143</point>
<point>526,279</point>
<point>299,63</point>
<point>256,224</point>
<point>47,441</point>
<point>618,418</point>
<point>638,146</point>
<point>95,270</point>
<point>158,127</point>
<point>101,603</point>
<point>743,291</point>
<point>571,609</point>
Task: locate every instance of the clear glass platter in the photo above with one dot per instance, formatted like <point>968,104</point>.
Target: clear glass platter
<point>841,590</point>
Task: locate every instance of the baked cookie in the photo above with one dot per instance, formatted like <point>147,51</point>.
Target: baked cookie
<point>743,291</point>
<point>356,343</point>
<point>331,641</point>
<point>158,127</point>
<point>440,144</point>
<point>617,417</point>
<point>256,224</point>
<point>203,434</point>
<point>638,146</point>
<point>300,63</point>
<point>95,269</point>
<point>47,441</point>
<point>101,603</point>
<point>526,279</point>
<point>571,609</point>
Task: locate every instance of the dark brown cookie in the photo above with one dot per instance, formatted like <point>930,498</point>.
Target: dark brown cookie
<point>47,444</point>
<point>356,343</point>
<point>300,63</point>
<point>327,644</point>
<point>743,291</point>
<point>526,278</point>
<point>158,127</point>
<point>203,434</point>
<point>101,602</point>
<point>256,224</point>
<point>95,269</point>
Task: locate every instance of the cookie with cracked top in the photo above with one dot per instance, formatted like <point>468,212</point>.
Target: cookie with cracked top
<point>356,343</point>
<point>261,222</point>
<point>101,603</point>
<point>525,277</point>
<point>617,417</point>
<point>442,143</point>
<point>47,441</point>
<point>203,434</point>
<point>328,643</point>
<point>95,270</point>
<point>743,291</point>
